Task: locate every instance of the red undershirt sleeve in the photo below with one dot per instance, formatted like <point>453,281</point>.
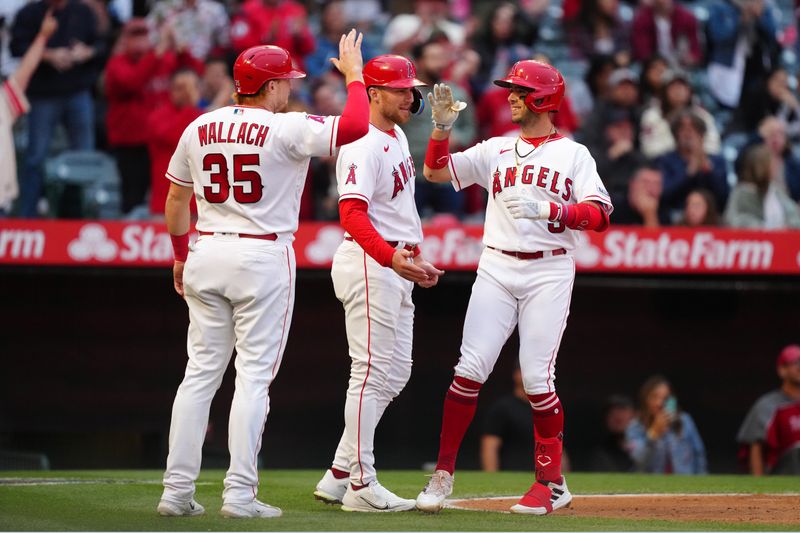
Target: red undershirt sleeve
<point>354,219</point>
<point>581,216</point>
<point>354,123</point>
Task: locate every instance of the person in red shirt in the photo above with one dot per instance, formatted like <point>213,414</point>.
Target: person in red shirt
<point>136,79</point>
<point>783,436</point>
<point>278,22</point>
<point>165,126</point>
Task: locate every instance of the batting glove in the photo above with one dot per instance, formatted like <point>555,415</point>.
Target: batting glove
<point>520,207</point>
<point>444,110</point>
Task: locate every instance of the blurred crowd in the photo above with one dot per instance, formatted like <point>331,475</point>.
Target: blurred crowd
<point>690,123</point>
<point>655,434</point>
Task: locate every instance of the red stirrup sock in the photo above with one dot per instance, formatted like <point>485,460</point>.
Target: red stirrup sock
<point>548,429</point>
<point>459,409</point>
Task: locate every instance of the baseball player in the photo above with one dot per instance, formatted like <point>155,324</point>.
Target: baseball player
<point>374,271</point>
<point>246,165</point>
<point>542,187</point>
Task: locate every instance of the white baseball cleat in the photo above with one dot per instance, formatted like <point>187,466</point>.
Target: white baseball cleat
<point>190,508</point>
<point>331,490</point>
<point>253,509</point>
<point>440,486</point>
<point>374,498</point>
<point>543,499</point>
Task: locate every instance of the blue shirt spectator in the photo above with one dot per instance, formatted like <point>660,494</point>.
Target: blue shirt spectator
<point>662,439</point>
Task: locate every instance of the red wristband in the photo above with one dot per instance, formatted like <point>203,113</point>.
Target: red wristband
<point>416,250</point>
<point>438,153</point>
<point>180,246</point>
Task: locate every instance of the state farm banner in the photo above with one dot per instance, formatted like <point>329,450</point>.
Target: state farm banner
<point>623,249</point>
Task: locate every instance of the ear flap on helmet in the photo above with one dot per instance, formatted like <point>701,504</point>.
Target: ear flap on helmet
<point>419,102</point>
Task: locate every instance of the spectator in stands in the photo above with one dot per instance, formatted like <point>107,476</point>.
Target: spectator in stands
<point>505,37</point>
<point>200,26</point>
<point>60,89</point>
<point>777,99</point>
<point>783,440</point>
<point>611,454</point>
<point>663,439</point>
<point>642,205</point>
<point>669,29</point>
<point>651,79</point>
<point>701,210</point>
<point>328,95</point>
<point>8,10</point>
<point>619,159</point>
<point>428,19</point>
<point>758,200</point>
<point>216,87</point>
<point>135,82</point>
<point>742,50</point>
<point>165,125</point>
<point>594,87</point>
<point>598,29</point>
<point>753,432</point>
<point>432,60</point>
<point>772,132</point>
<point>623,93</point>
<point>13,104</point>
<point>279,22</point>
<point>690,166</point>
<point>655,138</point>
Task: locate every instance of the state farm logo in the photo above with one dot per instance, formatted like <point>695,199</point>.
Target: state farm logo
<point>137,244</point>
<point>92,243</point>
<point>701,251</point>
<point>21,243</point>
<point>323,248</point>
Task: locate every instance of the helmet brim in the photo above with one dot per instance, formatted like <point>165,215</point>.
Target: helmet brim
<point>404,84</point>
<point>293,74</point>
<point>506,83</point>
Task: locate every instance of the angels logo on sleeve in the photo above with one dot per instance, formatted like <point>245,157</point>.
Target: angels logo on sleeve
<point>351,176</point>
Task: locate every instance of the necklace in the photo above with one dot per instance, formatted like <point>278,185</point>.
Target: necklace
<point>518,156</point>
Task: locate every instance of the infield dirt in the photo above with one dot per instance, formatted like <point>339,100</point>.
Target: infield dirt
<point>734,508</point>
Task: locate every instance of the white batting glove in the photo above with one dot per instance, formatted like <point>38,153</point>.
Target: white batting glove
<point>444,110</point>
<point>520,207</point>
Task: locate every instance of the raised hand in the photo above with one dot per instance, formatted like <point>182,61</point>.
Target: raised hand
<point>350,63</point>
<point>444,110</point>
<point>49,25</point>
<point>520,207</point>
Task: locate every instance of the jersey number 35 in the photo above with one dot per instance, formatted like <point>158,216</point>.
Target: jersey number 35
<point>247,186</point>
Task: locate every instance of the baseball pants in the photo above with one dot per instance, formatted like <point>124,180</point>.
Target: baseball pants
<point>379,319</point>
<point>534,293</point>
<point>240,294</point>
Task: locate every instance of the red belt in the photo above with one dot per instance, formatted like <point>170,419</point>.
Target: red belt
<point>267,237</point>
<point>393,244</point>
<point>529,255</point>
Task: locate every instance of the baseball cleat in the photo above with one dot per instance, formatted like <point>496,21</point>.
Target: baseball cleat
<point>253,509</point>
<point>440,486</point>
<point>543,499</point>
<point>374,498</point>
<point>190,508</point>
<point>331,490</point>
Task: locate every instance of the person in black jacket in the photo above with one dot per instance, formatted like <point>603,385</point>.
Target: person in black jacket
<point>60,90</point>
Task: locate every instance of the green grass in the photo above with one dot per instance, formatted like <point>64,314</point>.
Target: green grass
<point>114,506</point>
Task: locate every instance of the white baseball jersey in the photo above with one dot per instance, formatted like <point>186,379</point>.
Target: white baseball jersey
<point>378,169</point>
<point>559,170</point>
<point>245,162</point>
<point>12,104</point>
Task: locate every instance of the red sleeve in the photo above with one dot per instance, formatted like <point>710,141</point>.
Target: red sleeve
<point>354,219</point>
<point>354,123</point>
<point>582,216</point>
<point>124,78</point>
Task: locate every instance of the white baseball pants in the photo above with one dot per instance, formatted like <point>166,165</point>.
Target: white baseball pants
<point>534,293</point>
<point>379,318</point>
<point>240,294</point>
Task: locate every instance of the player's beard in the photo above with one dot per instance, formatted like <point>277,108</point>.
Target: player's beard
<point>397,115</point>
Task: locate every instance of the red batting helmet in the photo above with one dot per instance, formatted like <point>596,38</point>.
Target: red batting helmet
<point>545,82</point>
<point>395,72</point>
<point>259,64</point>
<point>392,71</point>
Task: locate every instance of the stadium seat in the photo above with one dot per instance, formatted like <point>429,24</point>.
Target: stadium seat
<point>83,184</point>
